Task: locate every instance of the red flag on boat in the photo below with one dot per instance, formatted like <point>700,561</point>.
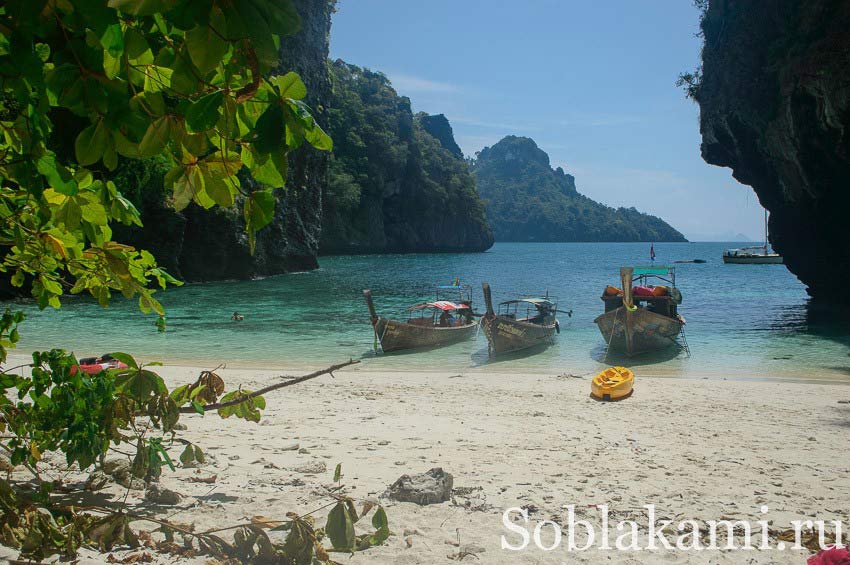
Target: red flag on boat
<point>652,251</point>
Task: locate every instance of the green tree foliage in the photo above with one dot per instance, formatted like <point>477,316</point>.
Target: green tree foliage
<point>58,407</point>
<point>180,82</point>
<point>98,100</point>
<point>529,201</point>
<point>392,186</point>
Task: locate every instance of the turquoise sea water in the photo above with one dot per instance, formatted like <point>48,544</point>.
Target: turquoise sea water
<point>742,320</point>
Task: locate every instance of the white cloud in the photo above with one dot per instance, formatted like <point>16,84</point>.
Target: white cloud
<point>600,120</point>
<point>493,125</point>
<point>408,84</point>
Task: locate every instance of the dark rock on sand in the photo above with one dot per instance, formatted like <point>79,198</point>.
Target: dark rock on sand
<point>432,487</point>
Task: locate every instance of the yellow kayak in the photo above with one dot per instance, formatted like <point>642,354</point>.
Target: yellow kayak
<point>614,383</point>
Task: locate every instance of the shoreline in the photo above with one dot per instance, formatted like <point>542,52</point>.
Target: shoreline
<point>372,365</point>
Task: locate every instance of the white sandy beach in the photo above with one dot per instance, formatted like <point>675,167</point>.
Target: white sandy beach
<point>697,449</point>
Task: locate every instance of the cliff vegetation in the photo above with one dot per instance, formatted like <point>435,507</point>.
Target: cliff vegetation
<point>396,182</point>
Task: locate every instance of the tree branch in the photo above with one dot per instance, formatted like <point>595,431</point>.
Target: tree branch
<point>249,90</point>
<point>295,381</point>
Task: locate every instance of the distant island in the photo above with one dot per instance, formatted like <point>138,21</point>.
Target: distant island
<point>527,200</point>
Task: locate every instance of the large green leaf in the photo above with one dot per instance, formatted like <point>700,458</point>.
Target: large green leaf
<point>57,176</point>
<point>112,40</point>
<point>158,78</point>
<point>91,143</point>
<point>142,7</point>
<point>220,189</point>
<point>270,130</point>
<point>283,17</point>
<point>156,137</point>
<point>340,527</point>
<point>290,85</point>
<point>92,209</point>
<point>379,519</point>
<point>206,44</point>
<point>139,384</point>
<point>125,358</point>
<point>137,48</point>
<point>273,170</point>
<point>204,113</point>
<point>318,138</point>
<point>188,187</point>
<point>70,214</point>
<point>259,209</point>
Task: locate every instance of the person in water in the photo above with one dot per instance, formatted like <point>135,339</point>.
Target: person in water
<point>237,317</point>
<point>160,324</point>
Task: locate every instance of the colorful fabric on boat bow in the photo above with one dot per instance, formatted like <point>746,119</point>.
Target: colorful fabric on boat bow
<point>831,556</point>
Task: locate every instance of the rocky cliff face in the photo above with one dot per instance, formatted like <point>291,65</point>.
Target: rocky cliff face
<point>440,128</point>
<point>394,187</point>
<point>775,107</point>
<point>211,244</point>
<point>527,200</point>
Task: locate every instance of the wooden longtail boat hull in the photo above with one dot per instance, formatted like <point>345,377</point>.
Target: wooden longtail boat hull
<point>397,336</point>
<point>639,331</point>
<point>506,336</point>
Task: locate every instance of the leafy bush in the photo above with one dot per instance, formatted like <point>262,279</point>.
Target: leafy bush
<point>147,89</point>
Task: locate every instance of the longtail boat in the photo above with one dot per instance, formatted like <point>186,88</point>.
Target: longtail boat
<point>429,324</point>
<point>519,324</point>
<point>640,317</point>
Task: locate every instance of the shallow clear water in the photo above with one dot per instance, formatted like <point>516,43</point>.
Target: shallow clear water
<point>742,320</point>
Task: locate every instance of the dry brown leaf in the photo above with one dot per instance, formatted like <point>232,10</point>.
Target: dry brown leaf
<point>143,557</point>
<point>265,522</point>
<point>367,506</point>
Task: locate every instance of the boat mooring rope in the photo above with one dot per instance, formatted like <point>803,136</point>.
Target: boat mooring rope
<point>379,339</point>
<point>611,337</point>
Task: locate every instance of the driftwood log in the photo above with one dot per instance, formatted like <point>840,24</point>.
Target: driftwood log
<point>264,390</point>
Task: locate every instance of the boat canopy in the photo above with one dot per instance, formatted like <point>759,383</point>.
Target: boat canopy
<point>440,305</point>
<point>539,302</point>
<point>643,274</point>
<point>657,271</point>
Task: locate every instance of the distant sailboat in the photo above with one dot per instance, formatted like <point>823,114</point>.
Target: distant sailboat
<point>757,255</point>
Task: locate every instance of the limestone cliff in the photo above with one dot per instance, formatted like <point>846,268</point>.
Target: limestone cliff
<point>527,200</point>
<point>774,100</point>
<point>398,183</point>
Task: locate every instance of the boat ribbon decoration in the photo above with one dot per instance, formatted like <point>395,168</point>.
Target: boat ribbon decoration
<point>626,281</point>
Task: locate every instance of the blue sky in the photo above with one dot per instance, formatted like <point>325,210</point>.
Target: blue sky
<point>591,82</point>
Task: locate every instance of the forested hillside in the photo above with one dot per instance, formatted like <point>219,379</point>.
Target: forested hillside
<point>527,200</point>
<point>392,185</point>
